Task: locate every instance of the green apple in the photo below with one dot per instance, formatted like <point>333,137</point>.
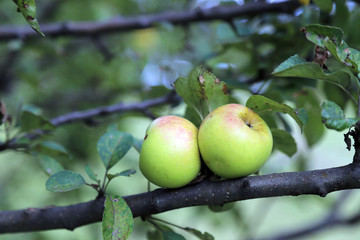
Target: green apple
<point>170,155</point>
<point>234,141</point>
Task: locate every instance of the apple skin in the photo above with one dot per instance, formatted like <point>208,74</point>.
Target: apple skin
<point>170,156</point>
<point>234,141</point>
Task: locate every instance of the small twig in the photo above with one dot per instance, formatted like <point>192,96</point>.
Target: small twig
<point>330,220</point>
<point>105,51</point>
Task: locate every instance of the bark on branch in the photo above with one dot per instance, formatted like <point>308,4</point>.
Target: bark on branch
<point>146,21</point>
<point>317,182</point>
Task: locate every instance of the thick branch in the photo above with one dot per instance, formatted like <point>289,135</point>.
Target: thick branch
<point>318,182</point>
<point>140,22</point>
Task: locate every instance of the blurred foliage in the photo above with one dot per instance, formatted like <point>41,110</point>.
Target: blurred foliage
<point>48,77</point>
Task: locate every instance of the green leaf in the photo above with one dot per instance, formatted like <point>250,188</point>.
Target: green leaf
<point>318,34</point>
<point>113,146</point>
<point>64,181</point>
<point>261,104</point>
<point>126,173</point>
<point>331,39</point>
<point>138,144</point>
<point>91,173</point>
<point>222,208</point>
<point>298,67</point>
<point>30,121</point>
<point>112,128</point>
<point>200,235</point>
<point>28,10</point>
<point>48,164</point>
<point>334,117</point>
<point>284,142</point>
<point>171,235</point>
<point>324,5</point>
<point>202,92</point>
<point>118,222</point>
<point>50,148</point>
<point>307,98</point>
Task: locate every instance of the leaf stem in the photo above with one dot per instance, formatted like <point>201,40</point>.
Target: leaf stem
<point>103,187</point>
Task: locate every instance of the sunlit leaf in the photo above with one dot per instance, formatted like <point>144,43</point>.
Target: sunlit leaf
<point>64,181</point>
<point>117,222</point>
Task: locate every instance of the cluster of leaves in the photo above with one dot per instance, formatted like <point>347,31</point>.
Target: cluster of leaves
<point>203,92</point>
<point>344,77</point>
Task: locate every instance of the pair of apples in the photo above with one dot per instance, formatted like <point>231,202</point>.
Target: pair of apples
<point>233,141</point>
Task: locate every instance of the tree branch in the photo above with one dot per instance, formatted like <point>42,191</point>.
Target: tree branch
<point>140,22</point>
<point>107,110</point>
<point>317,182</point>
<point>89,114</point>
<point>333,219</point>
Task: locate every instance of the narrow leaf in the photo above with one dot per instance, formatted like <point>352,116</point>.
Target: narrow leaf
<point>91,173</point>
<point>261,104</point>
<point>50,148</point>
<point>64,181</point>
<point>48,164</point>
<point>334,117</point>
<point>126,173</point>
<point>118,222</point>
<point>202,92</point>
<point>28,10</point>
<point>113,146</point>
<point>200,235</point>
<point>284,142</point>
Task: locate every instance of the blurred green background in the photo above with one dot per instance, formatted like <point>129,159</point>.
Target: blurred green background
<point>64,74</point>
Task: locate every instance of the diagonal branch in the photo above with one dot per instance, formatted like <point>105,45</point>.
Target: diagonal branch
<point>107,110</point>
<point>89,114</point>
<point>146,21</point>
<point>317,182</point>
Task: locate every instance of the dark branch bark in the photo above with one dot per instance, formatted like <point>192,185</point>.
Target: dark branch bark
<point>107,110</point>
<point>140,22</point>
<point>317,182</point>
<point>89,114</point>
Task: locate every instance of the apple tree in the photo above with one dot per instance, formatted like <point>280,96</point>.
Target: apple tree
<point>80,82</point>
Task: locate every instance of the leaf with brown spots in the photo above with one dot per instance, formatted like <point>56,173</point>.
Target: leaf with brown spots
<point>202,91</point>
<point>28,10</point>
